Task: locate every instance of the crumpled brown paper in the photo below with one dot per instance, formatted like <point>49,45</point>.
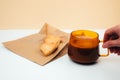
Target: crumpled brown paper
<point>29,46</point>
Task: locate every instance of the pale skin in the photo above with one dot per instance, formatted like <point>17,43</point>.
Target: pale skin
<point>111,39</point>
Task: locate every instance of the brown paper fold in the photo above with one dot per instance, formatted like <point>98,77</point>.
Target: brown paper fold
<point>29,46</point>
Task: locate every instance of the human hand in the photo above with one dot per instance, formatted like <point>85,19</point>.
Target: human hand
<point>112,39</point>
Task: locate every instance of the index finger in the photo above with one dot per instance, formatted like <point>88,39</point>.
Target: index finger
<point>110,34</point>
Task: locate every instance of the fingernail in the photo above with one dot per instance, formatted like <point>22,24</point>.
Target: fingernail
<point>104,46</point>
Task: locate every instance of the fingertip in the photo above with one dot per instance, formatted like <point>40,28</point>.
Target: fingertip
<point>104,46</point>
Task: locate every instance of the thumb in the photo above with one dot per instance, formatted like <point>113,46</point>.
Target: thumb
<point>111,43</point>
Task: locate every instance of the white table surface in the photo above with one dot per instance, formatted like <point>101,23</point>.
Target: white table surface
<point>14,67</point>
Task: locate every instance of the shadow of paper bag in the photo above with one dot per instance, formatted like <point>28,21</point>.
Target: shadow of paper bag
<point>29,46</point>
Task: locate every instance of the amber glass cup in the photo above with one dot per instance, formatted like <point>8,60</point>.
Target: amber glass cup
<point>84,46</point>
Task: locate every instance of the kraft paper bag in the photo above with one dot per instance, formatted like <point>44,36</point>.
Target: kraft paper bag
<point>29,46</point>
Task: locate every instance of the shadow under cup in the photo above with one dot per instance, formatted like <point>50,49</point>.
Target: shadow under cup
<point>84,46</point>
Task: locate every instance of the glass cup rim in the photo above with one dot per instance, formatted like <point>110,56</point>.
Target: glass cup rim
<point>97,35</point>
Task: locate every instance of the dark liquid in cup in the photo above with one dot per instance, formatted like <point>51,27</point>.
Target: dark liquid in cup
<point>83,55</point>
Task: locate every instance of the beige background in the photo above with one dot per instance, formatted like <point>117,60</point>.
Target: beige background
<point>65,14</point>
